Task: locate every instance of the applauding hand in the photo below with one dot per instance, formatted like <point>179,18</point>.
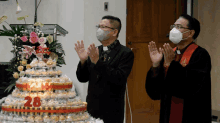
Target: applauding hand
<point>169,54</point>
<point>93,53</point>
<point>82,53</point>
<point>155,55</point>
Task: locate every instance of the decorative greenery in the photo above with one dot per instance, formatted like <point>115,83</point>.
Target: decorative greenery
<point>14,30</point>
<point>57,48</point>
<point>16,33</point>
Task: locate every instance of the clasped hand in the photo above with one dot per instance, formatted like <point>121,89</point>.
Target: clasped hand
<point>83,54</point>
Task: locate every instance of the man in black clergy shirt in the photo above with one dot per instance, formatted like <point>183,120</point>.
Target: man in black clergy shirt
<point>184,89</point>
<point>107,68</point>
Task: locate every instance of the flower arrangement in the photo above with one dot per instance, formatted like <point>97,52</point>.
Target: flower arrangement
<point>29,44</point>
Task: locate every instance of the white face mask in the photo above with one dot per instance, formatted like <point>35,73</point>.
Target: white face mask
<point>102,35</point>
<point>176,36</point>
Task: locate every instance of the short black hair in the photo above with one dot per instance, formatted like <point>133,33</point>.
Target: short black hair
<point>193,24</point>
<point>112,19</point>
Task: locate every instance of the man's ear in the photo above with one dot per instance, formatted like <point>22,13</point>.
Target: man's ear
<point>115,32</point>
<point>192,32</point>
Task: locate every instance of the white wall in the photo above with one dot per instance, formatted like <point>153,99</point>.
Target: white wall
<point>208,15</point>
<point>69,14</point>
<point>47,11</point>
<point>8,8</point>
<point>94,11</point>
<point>71,18</point>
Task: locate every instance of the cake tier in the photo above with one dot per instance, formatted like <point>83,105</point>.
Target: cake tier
<point>43,73</point>
<point>48,98</point>
<point>35,110</point>
<point>58,94</point>
<point>82,117</point>
<point>44,86</point>
<point>39,63</point>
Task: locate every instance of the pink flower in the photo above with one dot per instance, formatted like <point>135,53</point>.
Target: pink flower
<point>33,34</point>
<point>28,51</point>
<point>34,40</point>
<point>24,38</point>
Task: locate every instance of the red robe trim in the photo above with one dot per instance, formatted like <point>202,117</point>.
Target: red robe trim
<point>176,109</point>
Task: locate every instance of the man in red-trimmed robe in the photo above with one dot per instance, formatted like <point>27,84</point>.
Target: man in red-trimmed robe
<point>180,77</point>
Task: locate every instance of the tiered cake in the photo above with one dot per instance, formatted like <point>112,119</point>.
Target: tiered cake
<point>43,94</point>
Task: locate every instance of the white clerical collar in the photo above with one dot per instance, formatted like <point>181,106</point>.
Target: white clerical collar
<point>105,48</point>
<point>178,52</point>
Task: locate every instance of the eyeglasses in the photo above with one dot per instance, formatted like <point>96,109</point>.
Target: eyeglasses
<point>178,27</point>
<point>98,26</point>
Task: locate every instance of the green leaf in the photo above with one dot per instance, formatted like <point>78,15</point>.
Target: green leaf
<point>60,60</point>
<point>7,33</point>
<point>9,87</point>
<point>12,51</point>
<point>13,28</point>
<point>5,28</point>
<point>20,18</point>
<point>22,26</point>
<point>52,48</point>
<point>59,65</point>
<point>12,41</point>
<point>9,70</point>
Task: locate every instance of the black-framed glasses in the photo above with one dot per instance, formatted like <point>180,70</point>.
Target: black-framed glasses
<point>178,27</point>
<point>98,26</point>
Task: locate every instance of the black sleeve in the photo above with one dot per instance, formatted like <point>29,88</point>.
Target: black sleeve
<point>186,81</point>
<point>82,72</point>
<point>154,82</point>
<point>116,74</point>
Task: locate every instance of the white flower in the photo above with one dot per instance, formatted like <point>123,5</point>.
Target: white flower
<point>18,9</point>
<point>22,73</point>
<point>99,121</point>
